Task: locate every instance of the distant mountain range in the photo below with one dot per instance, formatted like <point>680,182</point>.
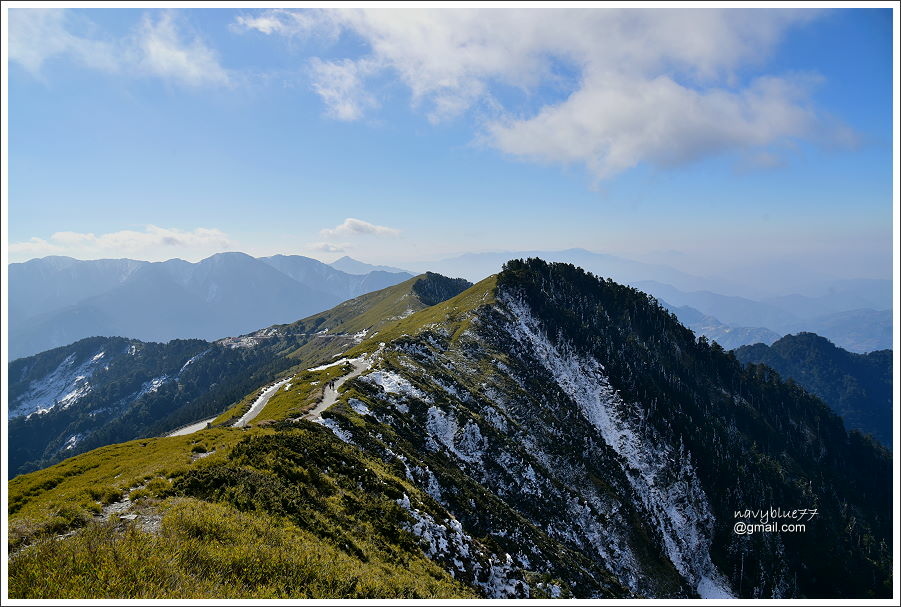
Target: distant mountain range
<point>58,300</point>
<point>737,321</point>
<point>712,328</point>
<point>857,386</point>
<point>476,266</point>
<point>352,266</point>
<point>55,301</point>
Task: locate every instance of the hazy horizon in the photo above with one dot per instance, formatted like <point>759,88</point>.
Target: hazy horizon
<point>756,281</point>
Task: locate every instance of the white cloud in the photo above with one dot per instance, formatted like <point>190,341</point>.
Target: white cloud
<point>353,226</point>
<point>612,125</point>
<point>291,23</point>
<point>268,24</point>
<point>153,243</point>
<point>156,48</point>
<point>638,86</point>
<point>327,247</point>
<point>34,247</point>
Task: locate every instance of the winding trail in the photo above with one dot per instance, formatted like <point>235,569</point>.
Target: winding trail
<point>329,396</point>
<point>260,402</point>
<point>330,393</point>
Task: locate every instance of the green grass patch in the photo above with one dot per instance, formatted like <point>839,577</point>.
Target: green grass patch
<point>455,315</point>
<point>70,493</point>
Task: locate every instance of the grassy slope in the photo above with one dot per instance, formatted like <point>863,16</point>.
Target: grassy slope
<point>69,493</point>
<point>305,391</point>
<point>291,513</point>
<point>307,346</point>
<point>452,315</point>
<point>75,481</point>
<point>213,550</point>
<point>368,312</point>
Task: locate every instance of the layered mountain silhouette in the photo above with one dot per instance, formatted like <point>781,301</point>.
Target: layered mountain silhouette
<point>58,300</point>
<point>856,316</point>
<point>352,266</point>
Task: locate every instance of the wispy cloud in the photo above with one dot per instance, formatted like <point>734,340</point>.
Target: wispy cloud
<point>166,53</point>
<point>353,226</point>
<point>158,47</point>
<point>152,243</point>
<point>341,86</point>
<point>313,22</point>
<point>642,86</point>
<point>36,35</point>
<point>327,247</point>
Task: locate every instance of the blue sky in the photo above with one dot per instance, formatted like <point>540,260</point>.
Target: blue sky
<point>710,140</point>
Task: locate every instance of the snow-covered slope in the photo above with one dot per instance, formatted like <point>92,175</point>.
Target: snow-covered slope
<point>109,389</point>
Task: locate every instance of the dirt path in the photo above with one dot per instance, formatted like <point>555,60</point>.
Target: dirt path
<point>330,394</point>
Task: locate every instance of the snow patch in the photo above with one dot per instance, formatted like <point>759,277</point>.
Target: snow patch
<point>260,402</point>
<point>494,418</point>
<point>152,386</point>
<point>336,429</point>
<point>340,361</point>
<point>64,386</point>
<point>190,360</point>
<point>392,383</point>
<point>447,543</point>
<point>71,442</point>
<point>444,429</point>
<point>359,406</point>
<point>82,388</point>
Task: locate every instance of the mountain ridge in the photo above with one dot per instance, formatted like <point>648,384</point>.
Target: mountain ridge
<point>353,266</point>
